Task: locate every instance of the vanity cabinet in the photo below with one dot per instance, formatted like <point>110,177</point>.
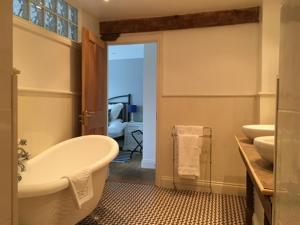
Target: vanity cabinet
<point>259,177</point>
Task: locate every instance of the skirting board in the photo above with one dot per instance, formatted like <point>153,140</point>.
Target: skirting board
<point>201,185</point>
<point>148,164</point>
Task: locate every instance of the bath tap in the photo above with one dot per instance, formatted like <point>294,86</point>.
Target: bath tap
<point>22,156</point>
<point>22,142</point>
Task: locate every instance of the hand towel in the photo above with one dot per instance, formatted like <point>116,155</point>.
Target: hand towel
<point>81,185</point>
<point>189,150</point>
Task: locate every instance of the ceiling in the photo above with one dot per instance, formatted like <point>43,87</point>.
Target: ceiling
<point>125,9</point>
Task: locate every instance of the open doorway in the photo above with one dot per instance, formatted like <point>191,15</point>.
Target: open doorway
<point>131,94</point>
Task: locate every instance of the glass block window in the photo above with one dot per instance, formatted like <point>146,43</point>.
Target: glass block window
<point>51,5</point>
<point>73,31</point>
<point>20,8</point>
<point>50,21</point>
<point>36,14</point>
<point>62,27</point>
<point>73,15</point>
<point>62,9</point>
<point>54,15</point>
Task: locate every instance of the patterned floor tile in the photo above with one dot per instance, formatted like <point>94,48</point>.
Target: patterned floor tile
<point>139,204</point>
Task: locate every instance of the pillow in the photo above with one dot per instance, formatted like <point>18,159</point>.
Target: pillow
<point>115,110</point>
<point>116,122</point>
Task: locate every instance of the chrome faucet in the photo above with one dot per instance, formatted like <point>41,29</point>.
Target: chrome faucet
<point>22,156</point>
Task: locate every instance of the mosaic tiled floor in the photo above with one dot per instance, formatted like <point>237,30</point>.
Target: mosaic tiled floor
<point>138,204</point>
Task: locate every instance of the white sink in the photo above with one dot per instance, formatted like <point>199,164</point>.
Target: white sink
<point>265,147</point>
<point>253,131</point>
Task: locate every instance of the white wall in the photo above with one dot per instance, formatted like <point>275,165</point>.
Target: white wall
<point>149,113</point>
<point>125,76</point>
<point>49,84</point>
<point>287,201</point>
<point>8,191</point>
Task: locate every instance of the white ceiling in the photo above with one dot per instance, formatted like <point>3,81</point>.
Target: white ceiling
<point>124,9</point>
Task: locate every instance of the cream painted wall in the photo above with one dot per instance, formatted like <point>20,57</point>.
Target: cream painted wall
<point>211,97</point>
<point>46,119</point>
<point>220,62</point>
<point>211,61</point>
<point>45,63</point>
<point>49,84</point>
<point>225,115</point>
<point>270,35</point>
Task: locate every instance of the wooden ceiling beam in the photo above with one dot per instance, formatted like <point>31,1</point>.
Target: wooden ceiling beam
<point>112,29</point>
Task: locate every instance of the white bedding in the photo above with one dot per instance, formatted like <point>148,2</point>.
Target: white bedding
<point>116,128</point>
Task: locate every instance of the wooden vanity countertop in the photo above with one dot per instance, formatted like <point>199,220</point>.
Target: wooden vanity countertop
<point>260,170</point>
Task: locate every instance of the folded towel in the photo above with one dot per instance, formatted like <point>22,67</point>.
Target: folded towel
<point>189,143</point>
<point>188,151</point>
<point>184,129</point>
<point>82,186</point>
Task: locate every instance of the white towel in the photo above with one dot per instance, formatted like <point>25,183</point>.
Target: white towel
<point>189,143</point>
<point>82,186</point>
<point>189,150</point>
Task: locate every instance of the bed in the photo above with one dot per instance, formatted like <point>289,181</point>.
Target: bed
<point>118,115</point>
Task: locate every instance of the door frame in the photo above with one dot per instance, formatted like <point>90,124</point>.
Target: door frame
<point>8,120</point>
<point>142,38</point>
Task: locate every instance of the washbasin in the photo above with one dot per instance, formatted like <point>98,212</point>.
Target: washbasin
<point>265,147</point>
<point>258,130</point>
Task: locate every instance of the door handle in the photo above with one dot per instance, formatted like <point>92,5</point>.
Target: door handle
<point>83,118</point>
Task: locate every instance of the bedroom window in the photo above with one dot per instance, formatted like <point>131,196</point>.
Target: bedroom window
<point>54,15</point>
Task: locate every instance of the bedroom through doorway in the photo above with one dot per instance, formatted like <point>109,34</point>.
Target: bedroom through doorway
<point>131,95</point>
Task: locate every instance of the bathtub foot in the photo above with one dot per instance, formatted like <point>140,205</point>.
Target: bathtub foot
<point>95,216</point>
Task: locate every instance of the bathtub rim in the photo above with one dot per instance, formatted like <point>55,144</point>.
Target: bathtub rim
<point>41,189</point>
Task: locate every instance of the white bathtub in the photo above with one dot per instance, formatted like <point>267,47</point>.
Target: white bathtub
<point>45,197</point>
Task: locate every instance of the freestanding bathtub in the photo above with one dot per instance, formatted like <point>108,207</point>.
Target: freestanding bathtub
<point>45,198</point>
